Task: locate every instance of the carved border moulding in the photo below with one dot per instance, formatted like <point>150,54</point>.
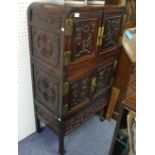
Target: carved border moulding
<point>46,90</point>
<point>46,46</point>
<point>43,18</point>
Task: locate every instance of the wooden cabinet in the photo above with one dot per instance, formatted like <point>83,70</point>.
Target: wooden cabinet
<point>74,52</point>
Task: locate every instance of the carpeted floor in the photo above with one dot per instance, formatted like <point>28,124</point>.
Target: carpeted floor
<point>92,138</point>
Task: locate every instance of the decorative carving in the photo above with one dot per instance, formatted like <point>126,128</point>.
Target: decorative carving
<point>112,30</point>
<point>104,74</point>
<point>84,38</point>
<point>79,91</point>
<point>46,90</point>
<point>84,115</point>
<point>46,46</point>
<point>43,18</point>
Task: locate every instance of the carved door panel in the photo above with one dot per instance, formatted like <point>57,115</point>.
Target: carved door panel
<point>76,91</point>
<point>111,32</point>
<point>102,79</point>
<point>81,35</point>
<point>79,91</point>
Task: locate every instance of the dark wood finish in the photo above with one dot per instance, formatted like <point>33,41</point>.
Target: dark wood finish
<point>74,52</point>
<point>113,2</point>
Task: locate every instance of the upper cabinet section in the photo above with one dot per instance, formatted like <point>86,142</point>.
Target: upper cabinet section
<point>66,35</point>
<point>81,30</point>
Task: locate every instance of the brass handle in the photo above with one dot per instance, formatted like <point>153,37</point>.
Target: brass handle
<point>69,27</point>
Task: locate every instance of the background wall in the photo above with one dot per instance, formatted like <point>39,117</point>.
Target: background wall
<point>26,121</point>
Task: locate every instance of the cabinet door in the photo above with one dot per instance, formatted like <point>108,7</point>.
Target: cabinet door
<point>102,80</point>
<point>76,91</point>
<point>80,36</point>
<point>111,30</point>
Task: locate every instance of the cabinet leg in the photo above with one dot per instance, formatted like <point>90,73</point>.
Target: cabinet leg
<point>38,127</point>
<point>101,119</point>
<point>101,115</point>
<point>61,137</point>
<point>61,145</point>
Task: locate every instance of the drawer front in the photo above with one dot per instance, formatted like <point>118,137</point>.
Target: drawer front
<point>76,120</point>
<point>88,86</point>
<point>80,36</point>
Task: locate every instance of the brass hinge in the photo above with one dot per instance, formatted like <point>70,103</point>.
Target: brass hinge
<point>115,64</point>
<point>93,84</point>
<point>100,36</point>
<point>67,58</point>
<point>120,41</point>
<point>69,27</point>
<point>65,109</point>
<point>66,88</point>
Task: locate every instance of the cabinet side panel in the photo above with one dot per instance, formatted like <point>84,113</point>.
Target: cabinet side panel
<point>46,89</point>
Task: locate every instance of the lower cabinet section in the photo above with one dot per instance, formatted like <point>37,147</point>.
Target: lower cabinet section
<point>87,86</point>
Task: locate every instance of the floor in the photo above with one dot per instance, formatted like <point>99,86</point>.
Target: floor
<point>92,138</point>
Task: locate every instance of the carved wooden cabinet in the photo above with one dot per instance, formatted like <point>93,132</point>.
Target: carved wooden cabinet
<point>74,52</point>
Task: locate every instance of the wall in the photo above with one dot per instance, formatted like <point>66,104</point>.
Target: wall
<point>26,121</point>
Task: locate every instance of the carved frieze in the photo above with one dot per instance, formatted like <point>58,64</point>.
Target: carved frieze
<point>85,114</point>
<point>42,18</point>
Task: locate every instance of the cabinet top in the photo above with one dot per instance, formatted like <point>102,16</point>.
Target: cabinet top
<point>62,7</point>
